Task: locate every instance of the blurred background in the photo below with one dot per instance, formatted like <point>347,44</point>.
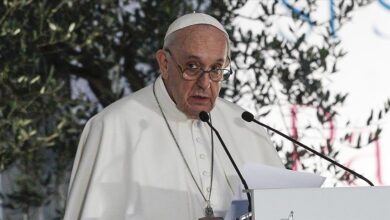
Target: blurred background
<point>316,70</point>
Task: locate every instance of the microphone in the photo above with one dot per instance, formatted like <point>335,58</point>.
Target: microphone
<point>247,116</point>
<point>205,118</point>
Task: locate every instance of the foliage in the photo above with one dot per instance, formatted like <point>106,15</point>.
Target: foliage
<point>292,68</point>
<point>46,44</point>
<point>39,122</point>
<point>39,131</point>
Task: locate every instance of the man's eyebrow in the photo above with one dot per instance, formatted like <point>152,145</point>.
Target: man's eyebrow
<point>193,57</point>
<point>198,58</point>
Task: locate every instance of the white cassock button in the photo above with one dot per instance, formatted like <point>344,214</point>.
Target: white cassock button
<point>205,173</point>
<point>198,139</point>
<point>202,156</point>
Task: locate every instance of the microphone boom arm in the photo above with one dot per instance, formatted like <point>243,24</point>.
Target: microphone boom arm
<point>311,150</point>
<point>205,118</point>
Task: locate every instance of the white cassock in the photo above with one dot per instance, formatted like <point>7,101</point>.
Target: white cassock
<point>128,166</point>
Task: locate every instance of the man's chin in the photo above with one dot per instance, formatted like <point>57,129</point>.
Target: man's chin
<point>195,112</point>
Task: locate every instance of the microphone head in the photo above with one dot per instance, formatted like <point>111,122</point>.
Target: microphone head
<point>247,116</point>
<point>204,116</point>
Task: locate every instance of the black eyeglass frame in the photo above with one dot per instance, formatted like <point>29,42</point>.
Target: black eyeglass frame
<point>225,72</point>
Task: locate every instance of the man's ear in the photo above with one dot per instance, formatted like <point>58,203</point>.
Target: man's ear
<point>162,63</point>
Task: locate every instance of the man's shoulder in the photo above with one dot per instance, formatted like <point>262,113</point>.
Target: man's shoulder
<point>129,105</point>
<point>224,104</point>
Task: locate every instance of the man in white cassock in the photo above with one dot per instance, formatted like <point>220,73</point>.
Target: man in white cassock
<point>148,156</point>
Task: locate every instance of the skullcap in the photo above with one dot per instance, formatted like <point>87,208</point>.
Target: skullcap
<point>193,19</point>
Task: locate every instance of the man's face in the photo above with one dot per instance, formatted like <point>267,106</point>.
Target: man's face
<point>200,45</point>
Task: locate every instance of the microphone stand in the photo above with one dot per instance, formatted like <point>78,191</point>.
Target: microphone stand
<point>247,116</point>
<point>205,118</point>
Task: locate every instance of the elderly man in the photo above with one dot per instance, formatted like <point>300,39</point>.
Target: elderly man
<point>147,156</point>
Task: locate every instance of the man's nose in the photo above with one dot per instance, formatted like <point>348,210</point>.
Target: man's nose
<point>204,80</point>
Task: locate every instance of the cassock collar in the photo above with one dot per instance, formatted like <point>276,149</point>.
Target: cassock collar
<point>167,104</point>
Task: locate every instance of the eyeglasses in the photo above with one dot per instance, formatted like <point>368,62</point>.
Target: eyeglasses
<point>194,72</point>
